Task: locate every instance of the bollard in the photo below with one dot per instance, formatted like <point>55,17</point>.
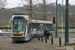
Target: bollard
<point>59,41</point>
<point>39,37</point>
<point>42,38</point>
<point>51,40</point>
<point>45,39</point>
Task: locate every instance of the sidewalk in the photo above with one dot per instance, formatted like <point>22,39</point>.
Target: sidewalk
<point>62,47</point>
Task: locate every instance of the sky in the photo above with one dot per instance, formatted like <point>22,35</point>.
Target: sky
<point>16,3</point>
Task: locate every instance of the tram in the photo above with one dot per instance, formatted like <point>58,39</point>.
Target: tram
<point>24,28</point>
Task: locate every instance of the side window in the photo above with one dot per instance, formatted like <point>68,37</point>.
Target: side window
<point>2,30</point>
<point>29,27</point>
<point>25,25</point>
<point>6,31</point>
<point>52,27</point>
<point>40,27</point>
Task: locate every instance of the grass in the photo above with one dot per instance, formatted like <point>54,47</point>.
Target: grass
<point>70,44</point>
<point>55,37</point>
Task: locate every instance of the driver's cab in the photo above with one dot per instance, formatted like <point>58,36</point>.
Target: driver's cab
<point>19,25</point>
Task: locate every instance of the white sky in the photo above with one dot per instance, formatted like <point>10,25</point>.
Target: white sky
<point>14,3</point>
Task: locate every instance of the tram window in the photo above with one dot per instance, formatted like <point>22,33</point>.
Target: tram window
<point>52,27</point>
<point>40,27</point>
<point>34,25</point>
<point>18,25</point>
<point>18,18</point>
<point>28,28</point>
<point>46,26</point>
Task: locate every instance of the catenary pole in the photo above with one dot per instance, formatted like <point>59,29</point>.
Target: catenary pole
<point>66,23</point>
<point>56,20</point>
<point>62,18</point>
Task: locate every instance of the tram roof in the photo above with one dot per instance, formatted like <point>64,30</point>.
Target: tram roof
<point>25,16</point>
<point>41,21</point>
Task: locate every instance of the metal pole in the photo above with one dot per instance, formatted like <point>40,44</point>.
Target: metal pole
<point>62,18</point>
<point>42,38</point>
<point>59,41</point>
<point>56,20</point>
<point>51,40</point>
<point>39,37</point>
<point>66,23</point>
<point>45,39</point>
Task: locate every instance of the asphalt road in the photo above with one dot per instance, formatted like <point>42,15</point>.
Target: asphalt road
<point>34,44</point>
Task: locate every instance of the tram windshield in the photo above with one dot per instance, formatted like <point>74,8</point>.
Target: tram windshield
<point>18,25</point>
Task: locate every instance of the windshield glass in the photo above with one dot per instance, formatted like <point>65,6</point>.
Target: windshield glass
<point>18,25</point>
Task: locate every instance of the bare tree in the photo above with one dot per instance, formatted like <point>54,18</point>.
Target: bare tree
<point>2,3</point>
<point>72,20</point>
<point>29,2</point>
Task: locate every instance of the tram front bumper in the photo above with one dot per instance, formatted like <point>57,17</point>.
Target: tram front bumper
<point>18,38</point>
